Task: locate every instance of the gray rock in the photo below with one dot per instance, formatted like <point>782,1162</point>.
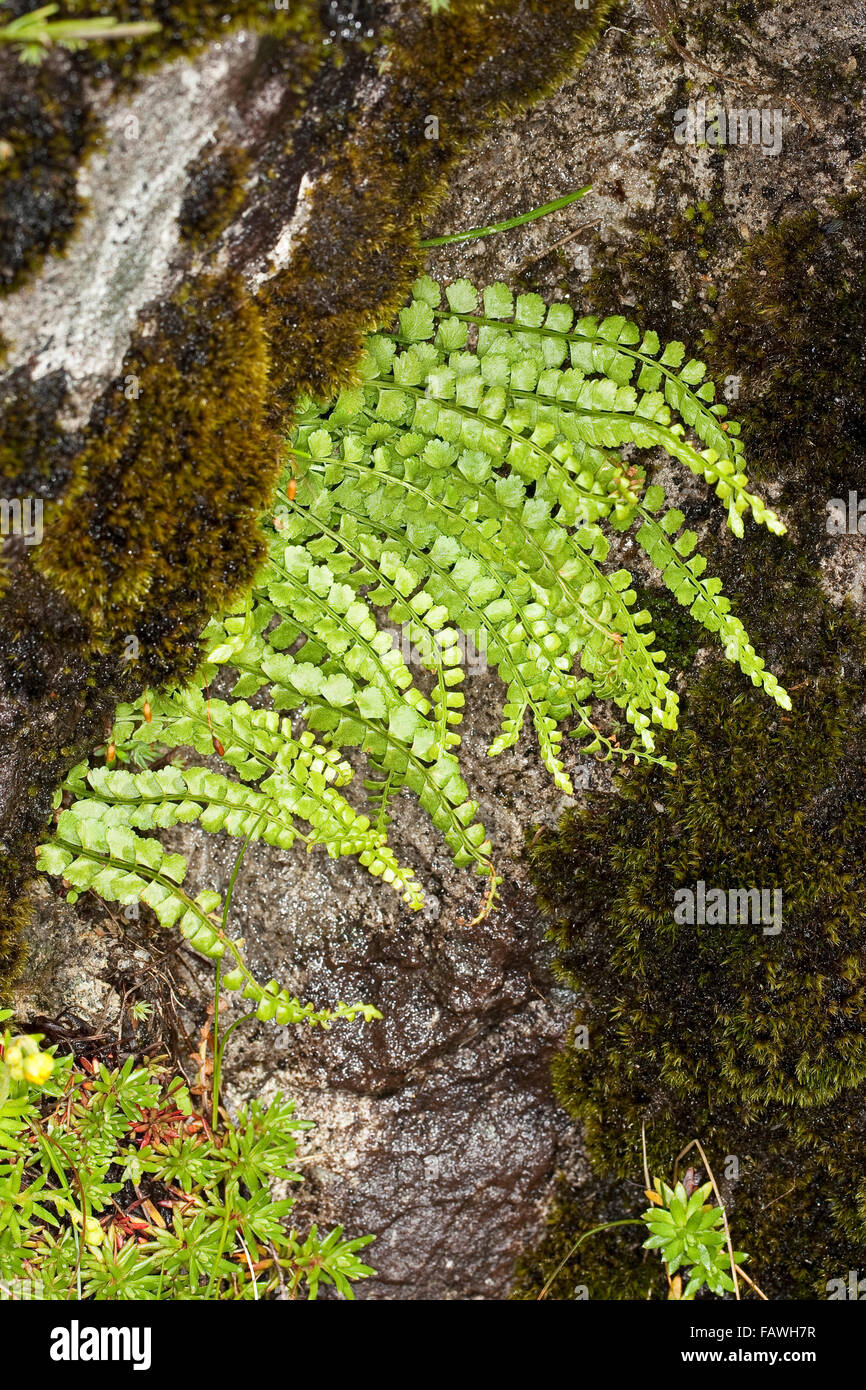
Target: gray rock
<point>436,1127</point>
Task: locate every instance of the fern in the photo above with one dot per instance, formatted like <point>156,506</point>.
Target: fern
<point>461,489</point>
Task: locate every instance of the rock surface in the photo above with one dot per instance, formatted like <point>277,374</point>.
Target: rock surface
<point>436,1127</point>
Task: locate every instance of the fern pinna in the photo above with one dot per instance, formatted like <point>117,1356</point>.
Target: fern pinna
<point>461,489</point>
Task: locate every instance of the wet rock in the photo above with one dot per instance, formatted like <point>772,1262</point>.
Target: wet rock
<point>436,1127</point>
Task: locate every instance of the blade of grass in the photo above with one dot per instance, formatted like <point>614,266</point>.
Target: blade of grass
<point>607,1226</point>
<point>506,226</point>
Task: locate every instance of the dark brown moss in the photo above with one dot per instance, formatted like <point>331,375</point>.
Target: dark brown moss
<point>35,451</point>
<point>161,521</point>
<point>792,327</point>
<point>56,703</point>
<point>45,127</point>
<point>755,1044</point>
<point>660,272</point>
<point>215,193</point>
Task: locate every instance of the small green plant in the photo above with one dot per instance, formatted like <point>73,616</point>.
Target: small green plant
<point>114,1185</point>
<point>37,31</point>
<point>459,493</point>
<point>689,1233</point>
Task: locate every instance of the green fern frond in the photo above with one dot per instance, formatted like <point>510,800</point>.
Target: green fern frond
<point>94,847</point>
<point>466,489</point>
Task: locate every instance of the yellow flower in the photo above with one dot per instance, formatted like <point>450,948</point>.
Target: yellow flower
<point>14,1058</point>
<point>37,1068</point>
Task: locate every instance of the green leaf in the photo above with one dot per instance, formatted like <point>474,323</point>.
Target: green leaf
<point>416,321</point>
<point>462,297</point>
<point>498,301</point>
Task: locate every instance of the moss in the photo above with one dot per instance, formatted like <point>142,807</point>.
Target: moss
<point>58,702</point>
<point>677,634</point>
<point>792,328</point>
<point>462,66</point>
<point>45,126</point>
<point>161,520</point>
<point>35,451</point>
<point>783,1019</point>
<point>15,915</point>
<point>754,1043</point>
<point>215,194</point>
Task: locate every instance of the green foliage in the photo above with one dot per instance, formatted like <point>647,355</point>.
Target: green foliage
<point>113,1186</point>
<point>35,32</point>
<point>461,489</point>
<point>758,1046</point>
<point>689,1234</point>
<point>474,483</point>
<point>96,846</point>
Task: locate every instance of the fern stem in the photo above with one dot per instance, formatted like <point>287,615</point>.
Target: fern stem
<point>512,566</point>
<point>482,626</point>
<point>438,669</point>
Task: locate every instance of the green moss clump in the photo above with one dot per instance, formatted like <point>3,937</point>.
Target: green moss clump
<point>792,328</point>
<point>161,520</point>
<point>770,1018</point>
<point>677,633</point>
<point>720,28</point>
<point>58,703</point>
<point>755,1043</point>
<point>15,915</point>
